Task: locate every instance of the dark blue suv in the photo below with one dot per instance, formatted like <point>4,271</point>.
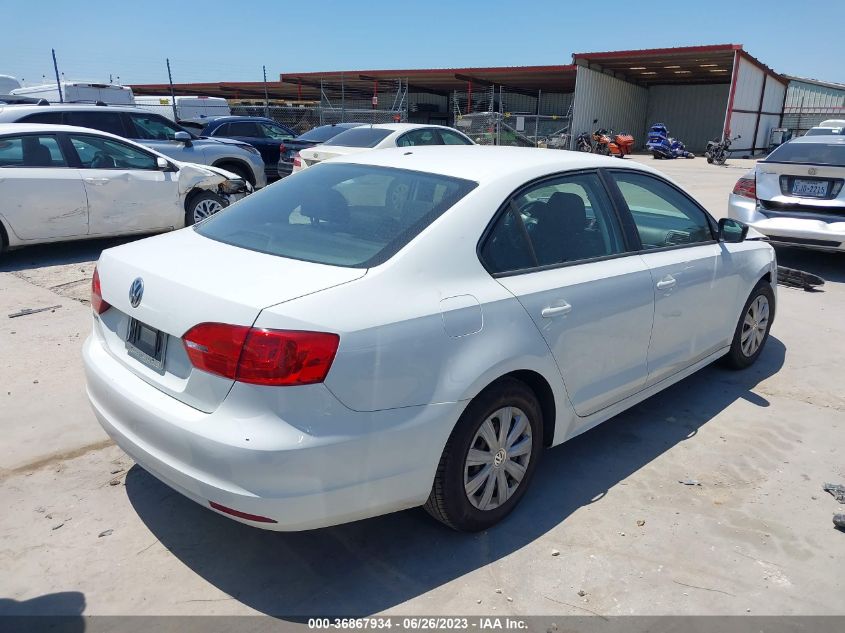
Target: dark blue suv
<point>263,134</point>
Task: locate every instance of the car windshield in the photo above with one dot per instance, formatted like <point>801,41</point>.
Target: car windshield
<point>360,137</point>
<point>826,153</point>
<point>343,215</point>
<point>322,134</point>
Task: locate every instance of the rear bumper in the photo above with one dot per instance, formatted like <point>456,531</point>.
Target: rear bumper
<point>790,230</point>
<point>324,465</point>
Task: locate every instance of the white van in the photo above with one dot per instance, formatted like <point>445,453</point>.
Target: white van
<point>187,107</point>
<point>79,92</point>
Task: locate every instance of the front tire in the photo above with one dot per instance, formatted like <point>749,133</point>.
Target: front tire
<point>489,459</point>
<point>202,205</point>
<point>753,328</point>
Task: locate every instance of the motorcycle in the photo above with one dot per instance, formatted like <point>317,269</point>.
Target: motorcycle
<point>584,142</point>
<point>717,151</point>
<point>609,143</point>
<point>661,145</point>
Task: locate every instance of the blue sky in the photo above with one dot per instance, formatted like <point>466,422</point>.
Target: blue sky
<point>229,41</point>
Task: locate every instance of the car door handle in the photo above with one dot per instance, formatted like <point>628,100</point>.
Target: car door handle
<point>97,181</point>
<point>555,311</point>
<point>666,283</point>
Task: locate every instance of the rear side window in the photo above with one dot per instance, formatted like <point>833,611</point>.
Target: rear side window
<point>360,137</point>
<point>104,121</point>
<point>424,136</point>
<point>453,138</point>
<point>50,118</point>
<point>823,153</point>
<point>31,151</point>
<point>344,215</point>
<point>662,214</point>
<point>243,128</point>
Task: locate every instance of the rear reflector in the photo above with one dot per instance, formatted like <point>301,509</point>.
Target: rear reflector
<point>746,187</point>
<point>297,161</point>
<point>97,302</point>
<point>241,515</point>
<point>259,356</point>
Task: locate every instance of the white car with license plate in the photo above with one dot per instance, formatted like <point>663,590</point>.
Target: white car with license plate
<point>61,182</point>
<point>379,136</point>
<point>795,196</point>
<point>321,352</point>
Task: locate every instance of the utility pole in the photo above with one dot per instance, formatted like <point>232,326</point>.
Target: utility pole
<point>58,81</point>
<point>266,98</point>
<point>172,94</point>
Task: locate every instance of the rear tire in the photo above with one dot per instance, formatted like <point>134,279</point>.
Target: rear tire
<point>201,206</point>
<point>752,330</point>
<point>475,457</point>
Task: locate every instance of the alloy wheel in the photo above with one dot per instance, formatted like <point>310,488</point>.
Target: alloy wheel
<point>205,208</point>
<point>754,325</point>
<point>497,458</point>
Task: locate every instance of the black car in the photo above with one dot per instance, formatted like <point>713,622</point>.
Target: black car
<point>312,137</point>
<point>263,134</point>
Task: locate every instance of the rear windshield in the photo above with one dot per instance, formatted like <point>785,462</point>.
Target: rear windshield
<point>360,137</point>
<point>810,153</point>
<point>344,215</point>
<point>823,131</point>
<point>322,133</point>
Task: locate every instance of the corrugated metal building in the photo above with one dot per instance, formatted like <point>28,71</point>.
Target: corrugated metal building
<point>810,101</point>
<point>698,92</point>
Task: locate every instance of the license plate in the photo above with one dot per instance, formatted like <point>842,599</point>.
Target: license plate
<point>809,188</point>
<point>146,345</point>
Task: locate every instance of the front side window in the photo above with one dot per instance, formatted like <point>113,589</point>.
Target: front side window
<point>101,120</point>
<point>274,132</point>
<point>96,152</point>
<point>151,127</point>
<point>344,215</point>
<point>363,136</point>
<point>561,220</point>
<point>663,215</point>
<point>31,151</point>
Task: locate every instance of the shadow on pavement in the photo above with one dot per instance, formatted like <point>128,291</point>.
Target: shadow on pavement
<point>828,266</point>
<point>369,566</point>
<point>56,612</point>
<point>59,253</point>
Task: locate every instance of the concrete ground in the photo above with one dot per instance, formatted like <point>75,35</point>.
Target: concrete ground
<point>85,531</point>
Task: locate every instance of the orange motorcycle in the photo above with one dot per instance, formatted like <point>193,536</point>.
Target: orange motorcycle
<point>609,143</point>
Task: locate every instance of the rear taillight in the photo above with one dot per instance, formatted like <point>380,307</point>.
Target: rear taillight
<point>282,149</point>
<point>297,161</point>
<point>97,302</point>
<point>746,187</point>
<point>259,356</point>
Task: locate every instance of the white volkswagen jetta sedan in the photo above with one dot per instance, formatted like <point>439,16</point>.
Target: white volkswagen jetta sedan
<point>320,352</point>
<point>61,182</point>
<point>795,196</point>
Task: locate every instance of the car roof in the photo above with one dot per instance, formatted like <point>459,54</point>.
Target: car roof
<point>483,163</point>
<point>61,107</point>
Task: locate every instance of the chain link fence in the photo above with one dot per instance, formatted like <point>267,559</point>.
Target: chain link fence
<point>496,116</point>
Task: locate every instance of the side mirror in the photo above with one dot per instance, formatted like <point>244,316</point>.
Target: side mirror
<point>732,231</point>
<point>182,137</point>
<point>163,164</point>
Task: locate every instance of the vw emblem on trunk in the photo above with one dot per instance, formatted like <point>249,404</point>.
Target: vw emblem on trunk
<point>136,292</point>
<point>812,171</point>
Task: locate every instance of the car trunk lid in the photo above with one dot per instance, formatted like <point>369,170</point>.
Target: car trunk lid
<point>190,279</point>
<point>792,183</point>
<point>319,153</point>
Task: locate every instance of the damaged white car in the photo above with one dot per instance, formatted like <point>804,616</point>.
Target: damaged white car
<point>65,183</point>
